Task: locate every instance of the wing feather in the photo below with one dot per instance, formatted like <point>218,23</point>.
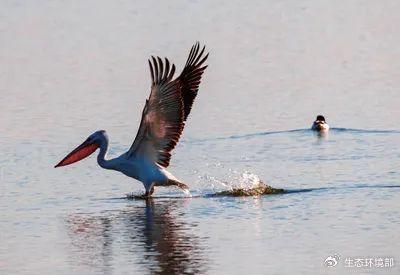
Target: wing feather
<point>162,116</point>
<point>191,76</point>
<point>167,107</point>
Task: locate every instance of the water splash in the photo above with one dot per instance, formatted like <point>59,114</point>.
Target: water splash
<point>234,183</point>
<point>187,193</point>
<point>178,193</point>
<point>240,184</point>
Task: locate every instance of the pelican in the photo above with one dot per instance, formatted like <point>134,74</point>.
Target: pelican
<point>320,124</point>
<point>163,119</point>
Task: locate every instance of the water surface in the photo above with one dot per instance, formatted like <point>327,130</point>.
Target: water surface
<point>71,68</point>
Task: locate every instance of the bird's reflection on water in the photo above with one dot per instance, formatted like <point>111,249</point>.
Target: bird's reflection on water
<point>153,237</point>
<point>322,135</point>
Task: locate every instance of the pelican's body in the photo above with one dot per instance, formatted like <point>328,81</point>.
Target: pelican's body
<point>163,119</point>
<point>141,169</point>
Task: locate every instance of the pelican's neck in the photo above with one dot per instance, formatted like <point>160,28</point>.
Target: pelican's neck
<point>101,157</point>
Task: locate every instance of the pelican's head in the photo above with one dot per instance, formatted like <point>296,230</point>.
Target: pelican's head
<point>320,124</point>
<point>84,150</point>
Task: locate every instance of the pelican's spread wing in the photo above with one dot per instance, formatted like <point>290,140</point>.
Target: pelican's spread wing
<point>162,118</point>
<point>191,76</point>
<point>167,108</point>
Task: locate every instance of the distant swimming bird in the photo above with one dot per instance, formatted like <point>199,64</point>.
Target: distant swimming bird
<point>320,124</point>
<point>163,120</point>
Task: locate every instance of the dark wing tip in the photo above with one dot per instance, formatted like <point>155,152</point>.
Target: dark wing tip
<point>190,77</point>
<point>151,72</point>
<point>195,56</point>
<point>159,73</point>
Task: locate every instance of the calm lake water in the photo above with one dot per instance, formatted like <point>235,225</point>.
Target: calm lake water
<point>71,68</point>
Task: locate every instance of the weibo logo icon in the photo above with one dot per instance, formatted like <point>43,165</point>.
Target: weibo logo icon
<point>332,261</point>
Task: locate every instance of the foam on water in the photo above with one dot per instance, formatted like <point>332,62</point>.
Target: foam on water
<point>237,184</point>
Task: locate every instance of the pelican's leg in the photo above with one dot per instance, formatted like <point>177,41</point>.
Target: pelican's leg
<point>149,190</point>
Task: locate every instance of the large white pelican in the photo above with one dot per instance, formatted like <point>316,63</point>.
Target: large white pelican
<point>163,119</point>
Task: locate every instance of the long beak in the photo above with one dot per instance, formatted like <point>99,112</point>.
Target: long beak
<point>80,152</point>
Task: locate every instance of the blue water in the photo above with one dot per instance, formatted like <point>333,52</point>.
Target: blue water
<point>71,68</point>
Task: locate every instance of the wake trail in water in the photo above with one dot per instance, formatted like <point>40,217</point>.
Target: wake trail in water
<point>248,192</point>
<point>245,135</point>
<point>366,131</point>
<point>266,133</point>
<point>291,191</point>
<point>334,129</point>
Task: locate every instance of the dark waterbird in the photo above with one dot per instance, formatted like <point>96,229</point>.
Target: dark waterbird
<point>320,124</point>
